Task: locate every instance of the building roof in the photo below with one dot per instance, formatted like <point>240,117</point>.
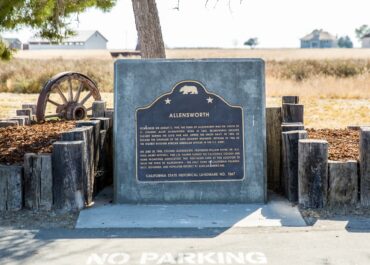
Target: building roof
<point>366,36</point>
<point>81,36</point>
<point>10,40</point>
<point>319,34</point>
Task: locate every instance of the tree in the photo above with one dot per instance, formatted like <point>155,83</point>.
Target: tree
<point>362,31</point>
<point>148,28</point>
<point>345,42</point>
<point>52,19</point>
<point>5,51</point>
<point>252,42</point>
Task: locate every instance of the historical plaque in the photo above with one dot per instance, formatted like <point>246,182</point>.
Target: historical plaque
<point>189,134</point>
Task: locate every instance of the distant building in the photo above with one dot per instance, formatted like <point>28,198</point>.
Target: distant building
<point>319,39</point>
<point>366,41</point>
<point>13,43</point>
<point>87,39</point>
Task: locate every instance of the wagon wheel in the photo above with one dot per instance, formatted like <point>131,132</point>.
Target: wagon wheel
<point>67,96</point>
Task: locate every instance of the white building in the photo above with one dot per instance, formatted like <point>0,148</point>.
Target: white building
<point>13,43</point>
<point>87,39</point>
<point>366,41</point>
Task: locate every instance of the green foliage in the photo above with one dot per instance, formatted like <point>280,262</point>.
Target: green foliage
<point>5,52</point>
<point>345,42</point>
<point>252,42</point>
<point>51,18</point>
<point>362,31</point>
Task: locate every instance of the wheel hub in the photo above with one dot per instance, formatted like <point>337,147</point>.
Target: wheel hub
<point>75,111</point>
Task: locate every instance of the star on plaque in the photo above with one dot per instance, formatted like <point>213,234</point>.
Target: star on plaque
<point>209,100</point>
<point>167,101</point>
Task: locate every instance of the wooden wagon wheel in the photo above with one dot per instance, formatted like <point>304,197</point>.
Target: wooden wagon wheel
<point>70,93</point>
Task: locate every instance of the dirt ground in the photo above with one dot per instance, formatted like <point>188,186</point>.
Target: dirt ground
<point>343,143</point>
<point>15,141</point>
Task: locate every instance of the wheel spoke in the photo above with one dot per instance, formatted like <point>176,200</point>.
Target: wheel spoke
<point>86,98</point>
<point>77,97</point>
<point>70,92</point>
<point>61,95</point>
<point>53,102</point>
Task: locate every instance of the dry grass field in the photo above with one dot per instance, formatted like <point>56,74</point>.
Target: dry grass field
<point>319,113</point>
<point>334,84</point>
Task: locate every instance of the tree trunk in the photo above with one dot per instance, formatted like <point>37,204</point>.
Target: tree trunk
<point>148,29</point>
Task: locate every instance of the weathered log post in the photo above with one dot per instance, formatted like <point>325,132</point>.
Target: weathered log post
<point>38,181</point>
<point>31,106</point>
<point>67,159</point>
<point>290,99</point>
<point>25,112</point>
<point>295,126</point>
<point>109,113</point>
<point>293,112</point>
<point>312,173</point>
<point>8,123</point>
<point>101,177</point>
<point>343,182</point>
<point>357,127</point>
<point>98,108</point>
<point>22,120</point>
<point>105,123</point>
<point>290,163</point>
<point>365,166</point>
<point>96,132</point>
<point>84,134</point>
<point>11,188</point>
<point>273,140</point>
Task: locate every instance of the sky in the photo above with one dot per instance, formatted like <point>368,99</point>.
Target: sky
<point>276,23</point>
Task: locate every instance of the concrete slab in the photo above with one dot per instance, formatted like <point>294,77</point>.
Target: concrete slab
<point>278,212</point>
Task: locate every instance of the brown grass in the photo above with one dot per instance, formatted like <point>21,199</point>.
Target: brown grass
<point>319,113</point>
<point>334,84</point>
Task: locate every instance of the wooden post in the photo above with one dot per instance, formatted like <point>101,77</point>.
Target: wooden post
<point>25,118</point>
<point>20,120</point>
<point>101,179</point>
<point>343,182</point>
<point>11,188</point>
<point>312,173</point>
<point>105,123</point>
<point>109,113</point>
<point>25,112</point>
<point>38,182</point>
<point>357,127</point>
<point>67,159</point>
<point>292,113</point>
<point>290,163</point>
<point>286,127</point>
<point>96,132</point>
<point>98,108</point>
<point>365,166</point>
<point>290,99</point>
<point>84,134</point>
<point>8,123</point>
<point>273,140</point>
<point>31,106</point>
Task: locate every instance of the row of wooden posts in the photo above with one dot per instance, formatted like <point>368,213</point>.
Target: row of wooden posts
<point>299,167</point>
<point>67,179</point>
